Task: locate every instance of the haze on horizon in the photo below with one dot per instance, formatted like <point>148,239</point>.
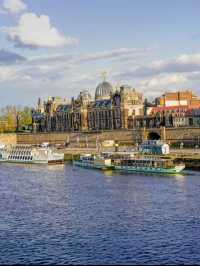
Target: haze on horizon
<point>57,49</point>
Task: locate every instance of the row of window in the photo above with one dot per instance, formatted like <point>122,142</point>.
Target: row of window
<point>20,153</point>
<point>27,158</point>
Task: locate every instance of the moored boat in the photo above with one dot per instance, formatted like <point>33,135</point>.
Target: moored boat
<point>30,154</point>
<point>129,162</point>
<point>148,164</point>
<point>136,162</point>
<point>93,161</point>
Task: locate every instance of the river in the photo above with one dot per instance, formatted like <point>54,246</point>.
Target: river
<point>68,215</point>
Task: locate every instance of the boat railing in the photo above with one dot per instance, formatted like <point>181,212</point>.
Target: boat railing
<point>152,162</point>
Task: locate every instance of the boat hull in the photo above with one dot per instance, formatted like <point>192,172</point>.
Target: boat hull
<point>174,170</point>
<point>33,162</point>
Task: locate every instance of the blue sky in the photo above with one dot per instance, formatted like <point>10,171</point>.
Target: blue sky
<point>50,47</point>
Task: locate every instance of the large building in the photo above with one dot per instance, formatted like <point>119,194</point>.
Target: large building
<point>110,109</point>
<point>180,98</point>
<point>173,109</point>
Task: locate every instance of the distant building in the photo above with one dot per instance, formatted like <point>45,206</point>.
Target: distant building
<point>167,117</point>
<point>180,98</point>
<point>110,109</point>
<point>173,109</point>
<point>116,108</point>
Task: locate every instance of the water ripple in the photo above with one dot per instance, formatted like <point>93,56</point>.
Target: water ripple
<point>66,215</point>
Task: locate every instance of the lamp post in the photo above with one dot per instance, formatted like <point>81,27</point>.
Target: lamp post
<point>78,140</point>
<point>86,141</point>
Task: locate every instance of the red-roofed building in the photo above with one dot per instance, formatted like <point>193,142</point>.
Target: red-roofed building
<point>179,98</point>
<point>178,109</point>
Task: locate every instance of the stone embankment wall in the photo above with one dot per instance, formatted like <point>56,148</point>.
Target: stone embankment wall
<point>124,137</point>
<point>77,139</point>
<point>176,134</point>
<point>171,135</point>
<point>8,138</point>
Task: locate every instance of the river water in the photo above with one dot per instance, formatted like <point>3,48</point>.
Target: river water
<point>64,214</point>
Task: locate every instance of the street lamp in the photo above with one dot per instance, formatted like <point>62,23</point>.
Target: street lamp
<point>86,141</point>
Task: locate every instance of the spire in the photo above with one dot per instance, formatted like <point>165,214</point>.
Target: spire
<point>39,101</point>
<point>104,75</point>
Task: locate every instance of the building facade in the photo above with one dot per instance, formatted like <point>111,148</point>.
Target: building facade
<point>110,110</point>
<point>174,109</point>
<point>179,98</point>
<point>116,108</point>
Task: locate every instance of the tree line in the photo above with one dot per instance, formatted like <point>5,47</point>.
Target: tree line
<point>15,118</point>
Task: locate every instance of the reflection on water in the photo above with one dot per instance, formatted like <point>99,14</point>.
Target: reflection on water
<point>64,214</point>
<point>108,172</point>
<point>55,167</point>
<point>36,167</point>
<point>180,177</point>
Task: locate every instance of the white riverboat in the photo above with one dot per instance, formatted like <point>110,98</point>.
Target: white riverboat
<point>30,154</point>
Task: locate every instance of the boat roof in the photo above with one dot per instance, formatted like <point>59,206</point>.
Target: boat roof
<point>148,159</point>
<point>86,154</point>
<point>118,152</point>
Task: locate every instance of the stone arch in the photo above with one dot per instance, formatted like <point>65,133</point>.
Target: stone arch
<point>153,136</point>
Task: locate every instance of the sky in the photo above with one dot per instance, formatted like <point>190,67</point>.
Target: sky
<point>60,47</point>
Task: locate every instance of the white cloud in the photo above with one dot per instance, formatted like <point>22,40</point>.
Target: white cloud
<point>112,54</point>
<point>35,31</point>
<point>185,63</point>
<point>164,74</point>
<point>81,58</point>
<point>65,74</point>
<point>155,86</point>
<point>154,78</point>
<point>59,64</point>
<point>8,74</point>
<point>164,80</point>
<point>14,6</point>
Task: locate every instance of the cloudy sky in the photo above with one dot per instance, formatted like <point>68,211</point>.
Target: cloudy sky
<point>59,47</point>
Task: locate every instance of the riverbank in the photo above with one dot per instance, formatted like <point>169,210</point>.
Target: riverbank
<point>191,157</point>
